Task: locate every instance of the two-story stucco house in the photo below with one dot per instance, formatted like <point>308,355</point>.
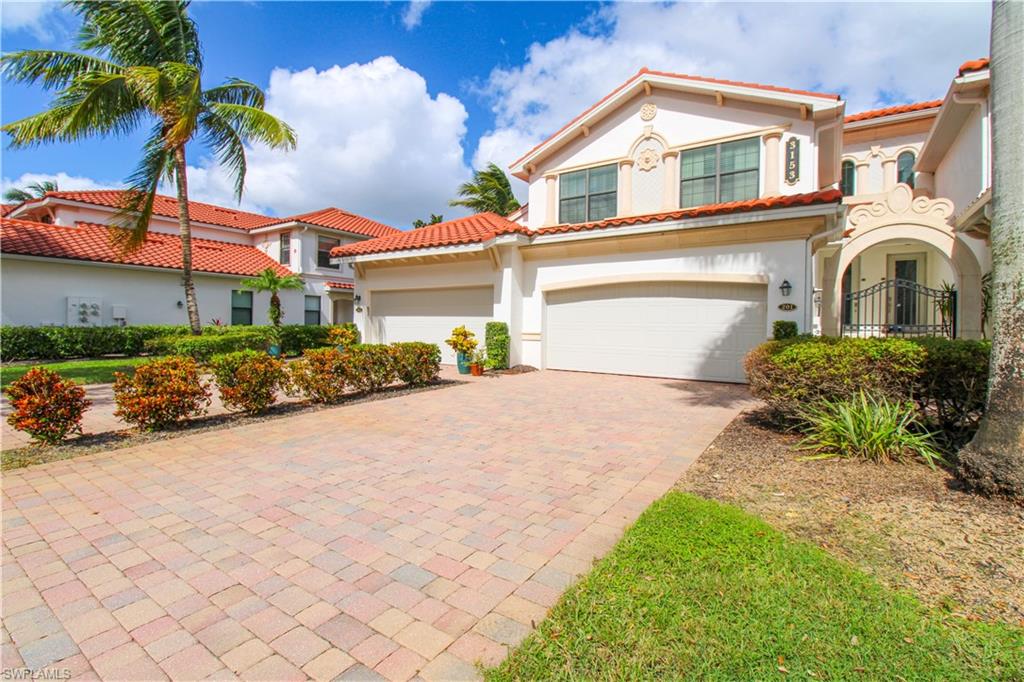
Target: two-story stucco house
<point>59,268</point>
<point>673,222</point>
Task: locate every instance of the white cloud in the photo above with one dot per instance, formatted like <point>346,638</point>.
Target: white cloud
<point>371,139</point>
<point>64,181</point>
<point>872,54</point>
<point>412,15</point>
<point>38,18</point>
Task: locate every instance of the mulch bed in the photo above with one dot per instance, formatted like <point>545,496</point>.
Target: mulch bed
<point>114,440</point>
<point>910,526</point>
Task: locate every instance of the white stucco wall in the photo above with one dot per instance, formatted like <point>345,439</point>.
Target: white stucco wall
<point>962,174</point>
<point>681,119</point>
<point>70,215</point>
<point>34,292</point>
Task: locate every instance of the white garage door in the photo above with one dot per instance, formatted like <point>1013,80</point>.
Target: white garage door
<point>684,330</point>
<point>430,315</point>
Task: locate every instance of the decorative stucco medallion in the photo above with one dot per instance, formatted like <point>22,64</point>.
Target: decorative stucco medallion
<point>648,111</point>
<point>647,159</point>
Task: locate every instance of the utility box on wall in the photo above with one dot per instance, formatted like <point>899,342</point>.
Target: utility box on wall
<point>84,311</point>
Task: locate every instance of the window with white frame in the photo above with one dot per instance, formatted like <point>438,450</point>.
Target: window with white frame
<point>323,251</point>
<point>847,181</point>
<point>312,310</point>
<point>241,307</point>
<point>905,168</point>
<point>285,255</point>
<point>729,171</point>
<point>588,194</point>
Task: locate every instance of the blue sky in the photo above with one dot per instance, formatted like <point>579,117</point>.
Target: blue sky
<point>395,104</point>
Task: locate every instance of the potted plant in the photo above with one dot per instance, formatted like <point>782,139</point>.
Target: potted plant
<point>478,362</point>
<point>274,342</point>
<point>463,342</point>
<point>341,337</point>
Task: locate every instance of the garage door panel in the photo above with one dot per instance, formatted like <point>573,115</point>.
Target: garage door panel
<point>669,329</point>
<point>430,315</point>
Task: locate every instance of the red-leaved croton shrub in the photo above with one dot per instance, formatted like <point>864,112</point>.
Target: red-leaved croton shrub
<point>161,393</point>
<point>45,406</point>
<point>416,363</point>
<point>319,375</point>
<point>248,380</point>
<point>370,366</point>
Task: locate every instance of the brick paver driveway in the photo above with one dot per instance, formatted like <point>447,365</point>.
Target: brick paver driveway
<point>402,537</point>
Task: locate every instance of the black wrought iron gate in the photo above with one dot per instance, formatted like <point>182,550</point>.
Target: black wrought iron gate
<point>900,307</point>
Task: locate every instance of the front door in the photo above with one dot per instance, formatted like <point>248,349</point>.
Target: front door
<point>906,270</point>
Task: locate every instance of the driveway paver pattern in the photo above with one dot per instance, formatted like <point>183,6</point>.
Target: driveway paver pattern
<point>414,536</point>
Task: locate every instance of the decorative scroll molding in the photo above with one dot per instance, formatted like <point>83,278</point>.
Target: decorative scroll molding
<point>900,206</point>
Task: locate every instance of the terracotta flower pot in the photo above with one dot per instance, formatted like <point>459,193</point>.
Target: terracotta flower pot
<point>476,370</point>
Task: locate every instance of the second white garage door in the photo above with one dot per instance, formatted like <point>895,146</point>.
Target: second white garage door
<point>684,330</point>
<point>430,315</point>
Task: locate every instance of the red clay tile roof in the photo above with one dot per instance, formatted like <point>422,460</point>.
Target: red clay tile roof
<point>892,111</point>
<point>469,230</point>
<point>973,65</point>
<point>827,196</point>
<point>90,242</point>
<point>7,208</point>
<point>168,207</point>
<point>340,284</point>
<point>337,219</point>
<point>682,76</point>
<point>483,226</point>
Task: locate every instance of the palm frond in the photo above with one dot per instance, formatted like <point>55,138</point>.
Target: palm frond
<point>51,68</point>
<point>18,195</point>
<point>489,190</point>
<point>131,222</point>
<point>236,91</point>
<point>255,125</point>
<point>227,146</point>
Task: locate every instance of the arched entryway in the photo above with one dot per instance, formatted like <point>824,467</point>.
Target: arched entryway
<point>908,239</point>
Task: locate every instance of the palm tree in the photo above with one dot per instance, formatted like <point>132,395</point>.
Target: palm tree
<point>269,280</point>
<point>141,60</point>
<point>435,218</point>
<point>37,190</point>
<point>994,461</point>
<point>489,190</point>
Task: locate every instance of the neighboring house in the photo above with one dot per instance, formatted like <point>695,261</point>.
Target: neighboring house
<point>57,261</point>
<point>678,218</point>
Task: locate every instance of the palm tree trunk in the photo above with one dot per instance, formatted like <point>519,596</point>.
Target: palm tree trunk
<point>994,461</point>
<point>185,230</point>
<point>275,309</point>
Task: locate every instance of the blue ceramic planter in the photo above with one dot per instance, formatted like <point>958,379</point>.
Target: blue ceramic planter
<point>462,362</point>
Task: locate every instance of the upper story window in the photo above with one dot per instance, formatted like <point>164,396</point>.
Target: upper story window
<point>728,171</point>
<point>587,195</point>
<point>285,255</point>
<point>323,251</point>
<point>905,168</point>
<point>847,182</point>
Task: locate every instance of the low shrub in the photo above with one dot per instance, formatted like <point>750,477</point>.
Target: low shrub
<point>45,406</point>
<point>202,348</point>
<point>161,393</point>
<point>343,335</point>
<point>319,375</point>
<point>296,338</point>
<point>248,380</point>
<point>951,389</point>
<point>370,367</point>
<point>792,374</point>
<point>56,343</point>
<point>496,340</point>
<point>416,363</point>
<point>784,329</point>
<point>869,428</point>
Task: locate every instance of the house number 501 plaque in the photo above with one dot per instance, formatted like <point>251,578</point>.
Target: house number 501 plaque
<point>792,160</point>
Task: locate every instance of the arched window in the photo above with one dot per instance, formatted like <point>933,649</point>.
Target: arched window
<point>905,168</point>
<point>847,184</point>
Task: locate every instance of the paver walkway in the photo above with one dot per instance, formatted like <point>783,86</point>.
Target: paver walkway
<point>396,538</point>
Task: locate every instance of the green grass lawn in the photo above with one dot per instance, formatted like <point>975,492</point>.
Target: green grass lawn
<point>701,590</point>
<point>82,371</point>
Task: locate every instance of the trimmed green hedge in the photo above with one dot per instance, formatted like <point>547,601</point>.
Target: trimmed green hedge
<point>57,343</point>
<point>202,348</point>
<point>496,339</point>
<point>784,329</point>
<point>945,378</point>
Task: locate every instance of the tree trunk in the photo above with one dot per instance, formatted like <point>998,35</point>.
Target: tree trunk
<point>185,230</point>
<point>275,309</point>
<point>993,462</point>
